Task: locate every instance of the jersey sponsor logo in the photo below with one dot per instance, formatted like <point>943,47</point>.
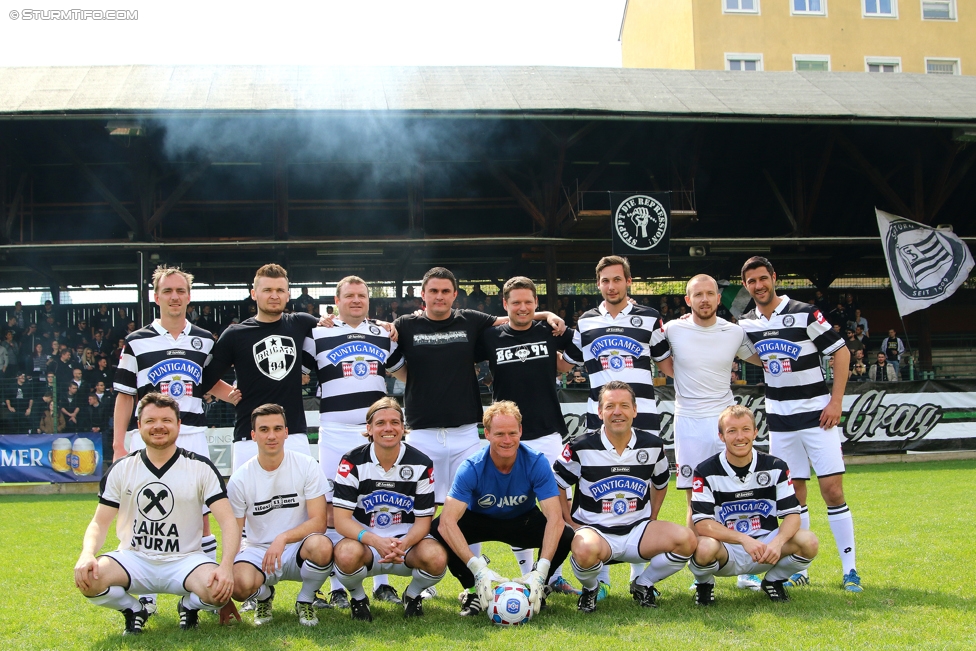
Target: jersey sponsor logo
<point>642,456</point>
<point>567,453</point>
<point>487,501</point>
<point>521,353</point>
<point>385,484</point>
<point>356,349</point>
<point>155,501</point>
<point>360,369</point>
<point>155,536</point>
<point>440,338</point>
<point>745,508</point>
<point>620,469</point>
<point>770,347</point>
<point>744,494</point>
<point>277,502</point>
<point>686,471</point>
<point>698,485</point>
<point>641,221</point>
<point>745,525</point>
<point>174,369</point>
<point>275,356</point>
<point>788,321</point>
<point>197,343</point>
<point>383,519</point>
<point>763,478</point>
<point>619,505</point>
<point>623,484</point>
<point>406,473</point>
<point>344,468</point>
<point>616,362</point>
<point>385,500</point>
<point>609,343</point>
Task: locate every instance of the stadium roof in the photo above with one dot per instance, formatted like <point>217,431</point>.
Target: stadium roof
<point>617,93</point>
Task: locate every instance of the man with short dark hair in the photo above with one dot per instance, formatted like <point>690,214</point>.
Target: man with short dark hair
<point>893,348</point>
<point>19,404</point>
<point>881,370</point>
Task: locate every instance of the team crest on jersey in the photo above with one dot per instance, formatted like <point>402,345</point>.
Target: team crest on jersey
<point>686,471</point>
<point>360,368</point>
<point>745,525</point>
<point>642,456</point>
<point>275,356</point>
<point>176,388</point>
<point>197,343</point>
<point>374,330</point>
<point>636,321</point>
<point>619,504</point>
<point>763,478</point>
<point>155,501</point>
<point>616,362</point>
<point>383,519</point>
<point>406,473</point>
<point>788,321</point>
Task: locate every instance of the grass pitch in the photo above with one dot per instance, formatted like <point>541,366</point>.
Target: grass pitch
<point>914,523</point>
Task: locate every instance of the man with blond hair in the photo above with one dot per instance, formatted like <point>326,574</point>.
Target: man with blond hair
<point>493,498</point>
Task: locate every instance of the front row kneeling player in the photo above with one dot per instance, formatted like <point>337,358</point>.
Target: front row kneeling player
<point>621,477</point>
<point>383,502</point>
<point>158,493</point>
<point>737,496</point>
<point>279,495</point>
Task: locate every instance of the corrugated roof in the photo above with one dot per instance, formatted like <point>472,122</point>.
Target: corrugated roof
<point>486,90</point>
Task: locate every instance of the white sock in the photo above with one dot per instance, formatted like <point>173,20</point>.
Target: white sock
<point>116,598</point>
<point>556,575</point>
<point>209,544</point>
<point>804,517</point>
<point>193,602</point>
<point>787,567</point>
<point>313,576</point>
<point>636,569</point>
<point>588,576</point>
<point>524,558</point>
<point>703,574</point>
<point>335,537</point>
<point>420,582</point>
<point>380,579</point>
<point>353,582</point>
<point>604,574</point>
<point>661,567</point>
<point>263,593</point>
<point>842,526</point>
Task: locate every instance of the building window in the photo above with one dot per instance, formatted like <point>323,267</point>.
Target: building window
<point>740,6</point>
<point>882,64</point>
<point>942,66</point>
<point>881,8</point>
<point>811,63</point>
<point>938,10</point>
<point>744,62</point>
<point>810,7</point>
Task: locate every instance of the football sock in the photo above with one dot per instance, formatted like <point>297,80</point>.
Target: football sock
<point>605,575</point>
<point>703,573</point>
<point>380,579</point>
<point>353,582</point>
<point>116,598</point>
<point>556,574</point>
<point>842,526</point>
<point>193,602</point>
<point>421,581</point>
<point>313,576</point>
<point>804,517</point>
<point>661,567</point>
<point>636,569</point>
<point>263,593</point>
<point>588,576</point>
<point>787,567</point>
<point>524,558</point>
<point>209,544</point>
<point>335,537</point>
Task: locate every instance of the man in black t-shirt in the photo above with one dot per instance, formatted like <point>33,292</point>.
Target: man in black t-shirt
<point>266,353</point>
<point>522,355</point>
<point>442,401</point>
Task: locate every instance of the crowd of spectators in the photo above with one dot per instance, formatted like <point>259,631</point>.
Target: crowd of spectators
<point>872,359</point>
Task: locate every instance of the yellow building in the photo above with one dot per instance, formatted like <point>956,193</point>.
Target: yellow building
<point>933,36</point>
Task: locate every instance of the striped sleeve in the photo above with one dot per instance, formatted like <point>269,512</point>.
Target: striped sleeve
<point>702,500</point>
<point>425,503</point>
<point>126,377</point>
<point>659,347</point>
<point>346,490</point>
<point>822,335</point>
<point>786,502</point>
<point>573,352</point>
<point>567,468</point>
<point>662,471</point>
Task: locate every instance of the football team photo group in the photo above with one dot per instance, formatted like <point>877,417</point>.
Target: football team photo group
<point>414,488</point>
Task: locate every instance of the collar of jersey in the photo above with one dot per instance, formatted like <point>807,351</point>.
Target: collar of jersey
<point>609,446</point>
<point>158,327</point>
<point>372,454</point>
<point>605,312</point>
<point>731,471</point>
<point>784,299</point>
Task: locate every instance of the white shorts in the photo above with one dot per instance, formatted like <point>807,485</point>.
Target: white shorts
<point>335,440</point>
<point>447,447</point>
<point>244,451</point>
<point>194,440</point>
<point>396,569</point>
<point>550,445</point>
<point>150,575</point>
<point>695,439</point>
<point>740,562</point>
<point>803,448</point>
<point>291,564</point>
<point>624,548</point>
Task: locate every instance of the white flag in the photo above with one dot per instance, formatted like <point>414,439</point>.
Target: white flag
<point>926,265</point>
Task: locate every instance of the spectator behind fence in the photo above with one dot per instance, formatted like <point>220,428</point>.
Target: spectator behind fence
<point>102,373</point>
<point>94,418</point>
<point>882,371</point>
<point>12,349</point>
<point>893,348</point>
<point>70,409</point>
<point>859,371</point>
<point>19,405</point>
<point>861,321</point>
<point>853,344</point>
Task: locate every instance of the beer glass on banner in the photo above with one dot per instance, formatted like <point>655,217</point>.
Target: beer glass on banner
<point>84,458</point>
<point>58,456</point>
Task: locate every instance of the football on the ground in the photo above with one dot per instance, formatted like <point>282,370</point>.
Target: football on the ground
<point>510,605</point>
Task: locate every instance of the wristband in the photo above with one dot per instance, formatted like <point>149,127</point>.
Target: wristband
<point>362,533</point>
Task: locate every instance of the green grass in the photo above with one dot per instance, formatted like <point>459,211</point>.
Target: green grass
<point>914,525</point>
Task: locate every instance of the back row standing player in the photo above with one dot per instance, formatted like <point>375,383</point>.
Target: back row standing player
<point>617,340</point>
<point>803,416</point>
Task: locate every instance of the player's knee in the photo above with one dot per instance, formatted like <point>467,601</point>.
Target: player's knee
<point>687,542</point>
<point>807,543</point>
<point>706,550</point>
<point>348,556</point>
<point>833,494</point>
<point>318,549</point>
<point>586,553</point>
<point>432,558</point>
<point>246,581</point>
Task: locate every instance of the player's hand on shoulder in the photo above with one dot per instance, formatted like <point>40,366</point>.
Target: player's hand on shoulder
<point>394,335</point>
<point>558,325</point>
<point>327,321</point>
